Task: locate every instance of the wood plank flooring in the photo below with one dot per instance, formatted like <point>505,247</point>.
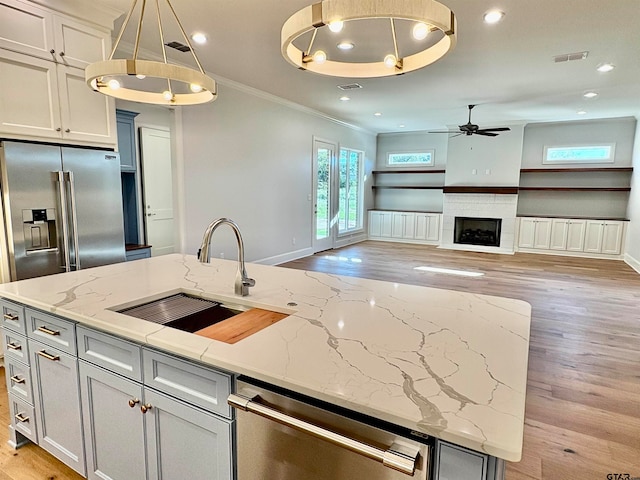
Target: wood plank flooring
<point>583,394</point>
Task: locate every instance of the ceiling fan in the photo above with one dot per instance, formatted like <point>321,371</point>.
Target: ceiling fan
<point>473,129</point>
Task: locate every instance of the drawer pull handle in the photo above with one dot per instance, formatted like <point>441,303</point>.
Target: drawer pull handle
<point>145,408</point>
<point>14,346</point>
<point>48,356</point>
<point>21,418</point>
<point>16,379</point>
<point>48,331</point>
<point>133,402</point>
<point>11,317</point>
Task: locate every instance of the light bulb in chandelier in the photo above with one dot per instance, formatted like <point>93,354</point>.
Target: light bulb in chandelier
<point>195,88</point>
<point>336,26</point>
<point>420,31</point>
<point>319,57</point>
<point>113,84</point>
<point>168,95</point>
<point>390,61</point>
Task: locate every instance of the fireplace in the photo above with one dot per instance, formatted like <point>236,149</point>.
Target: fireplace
<point>477,231</point>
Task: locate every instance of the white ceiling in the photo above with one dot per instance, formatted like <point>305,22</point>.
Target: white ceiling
<point>507,68</point>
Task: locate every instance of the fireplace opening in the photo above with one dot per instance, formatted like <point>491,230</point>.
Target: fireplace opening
<point>477,231</point>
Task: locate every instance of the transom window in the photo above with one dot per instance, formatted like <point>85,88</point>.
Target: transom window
<point>350,205</point>
<point>598,153</point>
<point>411,159</point>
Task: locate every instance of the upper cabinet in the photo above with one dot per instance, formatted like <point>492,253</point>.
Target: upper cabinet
<point>43,94</point>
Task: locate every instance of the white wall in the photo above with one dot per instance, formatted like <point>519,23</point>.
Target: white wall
<point>495,160</point>
<point>632,256</point>
<point>249,158</point>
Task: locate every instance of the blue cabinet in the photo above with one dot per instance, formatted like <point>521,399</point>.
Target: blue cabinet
<point>127,140</point>
<point>128,176</point>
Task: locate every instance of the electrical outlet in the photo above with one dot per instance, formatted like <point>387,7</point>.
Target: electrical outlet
<point>487,171</point>
<point>293,241</point>
<point>474,172</point>
<point>221,254</point>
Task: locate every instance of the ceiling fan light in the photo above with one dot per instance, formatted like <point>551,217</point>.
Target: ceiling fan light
<point>336,26</point>
<point>420,31</point>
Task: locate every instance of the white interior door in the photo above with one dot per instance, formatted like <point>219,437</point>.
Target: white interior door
<point>324,197</point>
<point>157,190</point>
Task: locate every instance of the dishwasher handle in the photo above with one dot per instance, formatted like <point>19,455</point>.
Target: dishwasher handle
<point>398,457</point>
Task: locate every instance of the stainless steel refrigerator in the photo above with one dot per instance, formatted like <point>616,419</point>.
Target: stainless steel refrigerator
<point>62,208</point>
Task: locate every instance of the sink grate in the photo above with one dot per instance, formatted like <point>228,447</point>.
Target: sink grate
<point>169,309</point>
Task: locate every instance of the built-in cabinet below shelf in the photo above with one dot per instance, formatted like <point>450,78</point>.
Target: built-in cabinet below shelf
<point>582,237</point>
<point>409,227</point>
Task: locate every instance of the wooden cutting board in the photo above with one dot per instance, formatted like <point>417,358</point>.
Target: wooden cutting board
<point>240,326</point>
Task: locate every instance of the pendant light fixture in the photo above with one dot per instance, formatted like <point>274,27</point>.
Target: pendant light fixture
<point>149,81</point>
<point>425,16</point>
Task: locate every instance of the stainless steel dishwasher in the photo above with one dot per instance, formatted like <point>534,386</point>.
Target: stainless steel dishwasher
<point>285,436</point>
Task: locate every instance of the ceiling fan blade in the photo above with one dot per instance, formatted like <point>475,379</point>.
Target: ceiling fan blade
<point>444,131</point>
<point>485,133</point>
<point>498,129</point>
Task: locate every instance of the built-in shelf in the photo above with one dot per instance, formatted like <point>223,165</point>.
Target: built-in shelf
<point>407,171</point>
<point>579,189</point>
<point>410,187</point>
<point>571,170</point>
<point>474,189</point>
<point>405,211</point>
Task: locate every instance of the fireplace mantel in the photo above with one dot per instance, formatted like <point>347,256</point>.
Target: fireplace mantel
<point>475,189</point>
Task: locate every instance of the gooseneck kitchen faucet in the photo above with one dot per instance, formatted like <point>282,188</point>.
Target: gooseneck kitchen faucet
<point>243,282</point>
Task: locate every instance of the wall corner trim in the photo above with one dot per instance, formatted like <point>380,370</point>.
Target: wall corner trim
<point>632,262</point>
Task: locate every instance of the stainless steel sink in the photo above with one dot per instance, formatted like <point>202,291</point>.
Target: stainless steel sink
<point>183,312</point>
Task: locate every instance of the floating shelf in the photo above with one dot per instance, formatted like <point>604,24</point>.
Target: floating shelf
<point>407,211</point>
<point>407,171</point>
<point>409,187</point>
<point>579,189</point>
<point>574,217</point>
<point>570,170</point>
<point>473,189</point>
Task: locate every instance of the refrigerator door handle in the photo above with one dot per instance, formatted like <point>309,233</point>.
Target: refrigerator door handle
<point>65,221</point>
<point>74,219</point>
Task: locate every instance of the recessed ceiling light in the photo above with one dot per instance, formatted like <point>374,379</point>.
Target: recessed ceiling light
<point>345,45</point>
<point>493,16</point>
<point>401,125</point>
<point>345,98</point>
<point>590,94</point>
<point>199,38</point>
<point>581,112</point>
<point>605,67</point>
<point>378,114</point>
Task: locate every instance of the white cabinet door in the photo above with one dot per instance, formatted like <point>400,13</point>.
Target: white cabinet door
<point>86,116</point>
<point>29,102</point>
<point>403,225</point>
<point>559,230</point>
<point>77,44</point>
<point>612,237</point>
<point>427,226</point>
<point>575,235</point>
<point>527,232</point>
<point>593,236</point>
<point>542,236</point>
<point>380,224</point>
<point>26,28</point>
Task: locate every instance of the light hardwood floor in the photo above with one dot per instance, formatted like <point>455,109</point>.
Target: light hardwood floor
<point>583,395</point>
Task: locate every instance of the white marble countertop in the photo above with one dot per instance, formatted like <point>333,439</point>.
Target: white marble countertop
<point>446,363</point>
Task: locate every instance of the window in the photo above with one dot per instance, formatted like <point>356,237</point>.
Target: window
<point>350,205</point>
<point>600,153</point>
<point>410,159</point>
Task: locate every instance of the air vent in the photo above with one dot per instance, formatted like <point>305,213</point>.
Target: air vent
<point>569,57</point>
<point>350,86</point>
<point>178,46</point>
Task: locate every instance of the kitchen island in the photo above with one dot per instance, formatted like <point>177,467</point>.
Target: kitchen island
<point>447,364</point>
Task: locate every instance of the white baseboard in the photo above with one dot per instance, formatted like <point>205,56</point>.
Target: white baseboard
<point>566,253</point>
<point>351,239</point>
<point>404,240</point>
<point>285,257</point>
<point>632,262</point>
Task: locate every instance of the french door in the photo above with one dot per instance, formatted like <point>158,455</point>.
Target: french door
<point>325,211</point>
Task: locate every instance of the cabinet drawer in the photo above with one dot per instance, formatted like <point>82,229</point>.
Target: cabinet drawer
<point>19,380</point>
<point>12,316</point>
<point>54,331</point>
<point>110,352</point>
<point>22,417</point>
<point>195,384</point>
<point>15,346</point>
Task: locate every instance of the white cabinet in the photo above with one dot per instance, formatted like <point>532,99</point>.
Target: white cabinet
<point>380,224</point>
<point>412,227</point>
<point>535,233</point>
<point>571,235</point>
<point>603,237</point>
<point>427,226</point>
<point>404,225</point>
<point>43,94</point>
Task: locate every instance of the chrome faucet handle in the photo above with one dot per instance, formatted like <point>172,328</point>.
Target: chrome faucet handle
<point>249,282</point>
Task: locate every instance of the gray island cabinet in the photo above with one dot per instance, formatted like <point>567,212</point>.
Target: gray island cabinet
<point>121,398</point>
